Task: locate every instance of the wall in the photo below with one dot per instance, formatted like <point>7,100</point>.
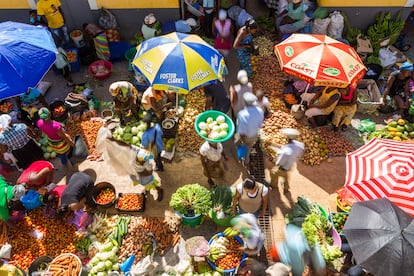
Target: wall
<point>78,12</point>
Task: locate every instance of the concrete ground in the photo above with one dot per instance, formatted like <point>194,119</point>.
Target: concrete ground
<point>318,183</point>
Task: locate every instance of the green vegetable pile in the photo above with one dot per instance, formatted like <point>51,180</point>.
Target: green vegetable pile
<point>301,209</point>
<point>316,228</point>
<point>191,199</point>
<point>222,197</point>
<point>339,220</point>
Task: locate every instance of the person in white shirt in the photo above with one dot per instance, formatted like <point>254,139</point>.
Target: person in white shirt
<point>288,155</point>
<point>212,155</point>
<point>250,232</point>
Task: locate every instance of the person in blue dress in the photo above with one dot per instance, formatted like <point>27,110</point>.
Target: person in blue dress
<point>244,45</point>
<point>152,140</point>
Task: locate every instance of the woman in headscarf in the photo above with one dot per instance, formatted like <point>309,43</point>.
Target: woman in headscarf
<point>18,140</point>
<point>58,139</point>
<point>222,30</point>
<point>151,26</point>
<point>244,45</point>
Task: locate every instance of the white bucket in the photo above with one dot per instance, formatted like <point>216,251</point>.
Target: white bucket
<point>77,37</point>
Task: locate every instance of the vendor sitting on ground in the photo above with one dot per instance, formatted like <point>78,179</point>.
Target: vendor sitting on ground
<point>155,101</point>
<point>323,102</point>
<point>29,104</point>
<point>39,173</point>
<point>398,87</point>
<point>151,26</point>
<point>293,18</point>
<point>345,109</point>
<point>10,199</point>
<point>125,97</point>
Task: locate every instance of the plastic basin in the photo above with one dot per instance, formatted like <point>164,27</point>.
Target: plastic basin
<point>190,221</point>
<point>96,63</point>
<point>202,117</point>
<point>213,265</point>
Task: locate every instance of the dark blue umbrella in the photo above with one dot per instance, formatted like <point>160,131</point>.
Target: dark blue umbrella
<point>26,54</point>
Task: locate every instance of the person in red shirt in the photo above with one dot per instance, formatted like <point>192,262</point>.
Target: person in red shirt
<point>39,173</point>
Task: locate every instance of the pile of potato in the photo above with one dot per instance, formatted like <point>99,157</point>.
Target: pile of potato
<point>187,137</point>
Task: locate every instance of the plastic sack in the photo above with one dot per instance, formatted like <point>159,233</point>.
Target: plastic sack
<point>5,251</point>
<point>387,57</point>
<point>320,26</point>
<point>366,126</point>
<point>107,20</point>
<point>31,200</point>
<point>80,149</point>
<point>142,267</point>
<point>336,26</point>
<point>81,219</point>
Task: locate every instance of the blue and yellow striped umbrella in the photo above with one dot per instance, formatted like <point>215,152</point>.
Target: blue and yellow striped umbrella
<point>178,62</point>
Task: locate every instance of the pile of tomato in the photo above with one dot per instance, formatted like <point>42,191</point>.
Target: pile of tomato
<point>232,259</point>
<point>131,202</point>
<point>105,196</point>
<point>37,235</point>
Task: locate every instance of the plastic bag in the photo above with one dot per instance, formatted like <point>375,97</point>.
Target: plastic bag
<point>31,200</point>
<point>80,149</point>
<point>107,20</point>
<point>387,57</point>
<point>81,219</point>
<point>336,25</point>
<point>5,251</point>
<point>320,26</point>
<point>366,126</point>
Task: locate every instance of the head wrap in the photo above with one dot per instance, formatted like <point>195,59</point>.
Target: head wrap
<point>19,191</point>
<point>150,19</point>
<point>143,156</point>
<point>120,86</point>
<point>222,15</point>
<point>407,66</point>
<point>242,77</point>
<point>44,113</point>
<point>5,121</point>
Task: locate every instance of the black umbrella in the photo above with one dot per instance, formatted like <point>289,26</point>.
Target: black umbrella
<point>381,236</point>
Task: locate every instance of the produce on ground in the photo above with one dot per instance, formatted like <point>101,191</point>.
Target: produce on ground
<point>105,260</point>
<point>269,77</point>
<point>138,242</point>
<point>120,230</point>
<point>399,130</point>
<point>131,202</point>
<point>101,226</point>
<point>337,144</point>
<point>265,44</point>
<point>131,134</point>
<point>316,230</point>
<point>187,137</point>
<point>65,265</point>
<point>58,237</point>
<point>6,107</point>
<point>88,129</point>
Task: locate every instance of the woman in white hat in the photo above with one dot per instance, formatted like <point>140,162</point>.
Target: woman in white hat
<point>223,30</point>
<point>237,91</point>
<point>151,26</point>
<point>18,141</point>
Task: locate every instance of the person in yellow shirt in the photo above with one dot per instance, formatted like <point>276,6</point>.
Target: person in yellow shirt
<point>52,13</point>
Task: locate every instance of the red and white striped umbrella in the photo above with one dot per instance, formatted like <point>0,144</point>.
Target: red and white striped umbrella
<point>382,168</point>
<point>320,60</point>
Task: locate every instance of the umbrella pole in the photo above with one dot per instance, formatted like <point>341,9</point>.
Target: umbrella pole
<point>304,93</point>
<point>176,101</point>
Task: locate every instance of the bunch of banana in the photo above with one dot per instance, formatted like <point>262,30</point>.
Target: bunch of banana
<point>216,252</point>
<point>147,248</point>
<point>230,232</point>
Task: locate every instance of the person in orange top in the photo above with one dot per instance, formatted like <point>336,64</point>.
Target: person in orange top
<point>155,101</point>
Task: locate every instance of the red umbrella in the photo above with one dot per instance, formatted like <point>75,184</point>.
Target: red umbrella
<point>320,60</point>
<point>382,168</point>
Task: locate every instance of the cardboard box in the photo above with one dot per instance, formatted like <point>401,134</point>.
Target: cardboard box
<point>364,45</point>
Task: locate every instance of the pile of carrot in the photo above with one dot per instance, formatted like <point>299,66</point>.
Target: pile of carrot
<point>65,265</point>
<point>88,129</point>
